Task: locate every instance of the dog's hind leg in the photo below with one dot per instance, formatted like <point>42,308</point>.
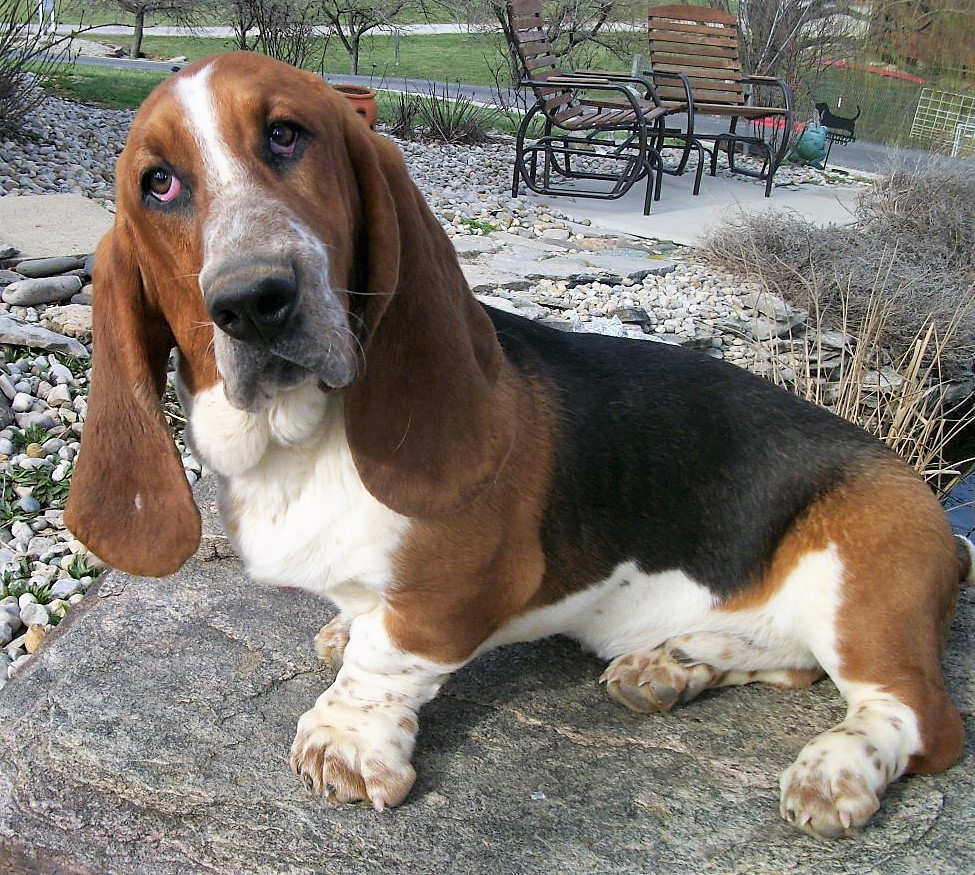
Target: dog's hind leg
<point>685,666</point>
<point>875,613</point>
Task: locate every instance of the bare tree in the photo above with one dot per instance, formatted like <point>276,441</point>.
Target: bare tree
<point>937,35</point>
<point>572,25</point>
<point>786,37</point>
<point>350,20</point>
<point>178,12</point>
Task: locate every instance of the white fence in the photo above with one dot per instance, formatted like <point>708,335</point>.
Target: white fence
<point>947,120</point>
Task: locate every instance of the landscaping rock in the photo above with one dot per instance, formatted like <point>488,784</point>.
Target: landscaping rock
<point>71,320</point>
<point>183,768</point>
<point>48,267</point>
<point>29,292</point>
<point>19,333</point>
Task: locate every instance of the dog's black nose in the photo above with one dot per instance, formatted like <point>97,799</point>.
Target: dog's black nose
<point>259,310</point>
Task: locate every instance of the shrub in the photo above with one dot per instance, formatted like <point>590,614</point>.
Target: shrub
<point>914,236</point>
<point>436,115</point>
<point>29,57</point>
<point>898,283</point>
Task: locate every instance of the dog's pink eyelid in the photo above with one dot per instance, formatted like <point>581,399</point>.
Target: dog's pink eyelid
<point>170,192</point>
<point>284,132</point>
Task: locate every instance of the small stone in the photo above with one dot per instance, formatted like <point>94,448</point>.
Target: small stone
<point>35,451</point>
<point>32,640</point>
<point>34,615</point>
<point>71,320</point>
<point>40,418</point>
<point>29,504</point>
<point>66,586</point>
<point>22,402</point>
<point>58,396</point>
<point>59,373</point>
<point>6,634</point>
<point>7,387</point>
<point>29,292</point>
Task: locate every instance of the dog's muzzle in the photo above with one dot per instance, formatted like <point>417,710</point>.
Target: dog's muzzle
<point>278,324</point>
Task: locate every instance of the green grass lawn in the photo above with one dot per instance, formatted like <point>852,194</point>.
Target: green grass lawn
<point>103,86</point>
<point>443,58</point>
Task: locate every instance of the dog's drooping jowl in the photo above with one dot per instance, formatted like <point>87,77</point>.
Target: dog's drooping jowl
<point>455,478</point>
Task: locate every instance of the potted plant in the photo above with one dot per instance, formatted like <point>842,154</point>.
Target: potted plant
<point>362,100</point>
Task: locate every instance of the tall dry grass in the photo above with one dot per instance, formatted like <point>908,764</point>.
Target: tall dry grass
<point>898,288</point>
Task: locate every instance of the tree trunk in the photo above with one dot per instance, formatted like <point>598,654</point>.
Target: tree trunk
<point>140,20</point>
<point>354,54</point>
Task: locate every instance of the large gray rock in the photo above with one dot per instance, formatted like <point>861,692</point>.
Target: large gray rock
<point>150,736</point>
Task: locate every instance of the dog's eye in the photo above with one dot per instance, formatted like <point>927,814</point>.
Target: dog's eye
<point>283,138</point>
<point>163,185</point>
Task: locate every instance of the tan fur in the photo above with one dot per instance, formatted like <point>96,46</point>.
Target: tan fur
<point>461,577</point>
<point>902,573</point>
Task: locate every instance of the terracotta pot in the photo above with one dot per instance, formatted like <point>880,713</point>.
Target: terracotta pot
<point>362,100</point>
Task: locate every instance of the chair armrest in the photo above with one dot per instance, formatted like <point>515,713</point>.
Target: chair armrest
<point>577,82</point>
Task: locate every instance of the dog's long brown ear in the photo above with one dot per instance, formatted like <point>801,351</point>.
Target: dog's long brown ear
<point>129,502</point>
<point>429,420</point>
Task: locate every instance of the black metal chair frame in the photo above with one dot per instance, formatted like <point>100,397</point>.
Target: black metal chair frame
<point>586,115</point>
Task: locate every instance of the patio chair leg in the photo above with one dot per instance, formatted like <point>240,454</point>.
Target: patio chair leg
<point>699,170</point>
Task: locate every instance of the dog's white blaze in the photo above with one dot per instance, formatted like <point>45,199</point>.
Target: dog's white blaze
<point>194,93</point>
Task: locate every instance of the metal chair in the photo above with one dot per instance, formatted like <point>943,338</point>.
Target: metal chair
<point>599,129</point>
<point>694,57</point>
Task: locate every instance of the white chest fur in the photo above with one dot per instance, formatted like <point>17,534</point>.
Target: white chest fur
<point>300,514</point>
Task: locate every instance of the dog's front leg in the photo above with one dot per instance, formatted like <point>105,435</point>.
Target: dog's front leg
<point>355,744</point>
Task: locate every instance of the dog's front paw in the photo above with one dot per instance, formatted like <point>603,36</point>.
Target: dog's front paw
<point>346,753</point>
<point>827,799</point>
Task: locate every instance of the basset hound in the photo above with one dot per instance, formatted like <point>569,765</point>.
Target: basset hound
<point>455,478</point>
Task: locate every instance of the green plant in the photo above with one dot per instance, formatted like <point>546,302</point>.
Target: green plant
<point>29,54</point>
<point>402,114</point>
<point>478,226</point>
<point>15,582</point>
<point>49,492</point>
<point>80,568</point>
<point>454,119</point>
<point>21,585</point>
<point>32,434</point>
